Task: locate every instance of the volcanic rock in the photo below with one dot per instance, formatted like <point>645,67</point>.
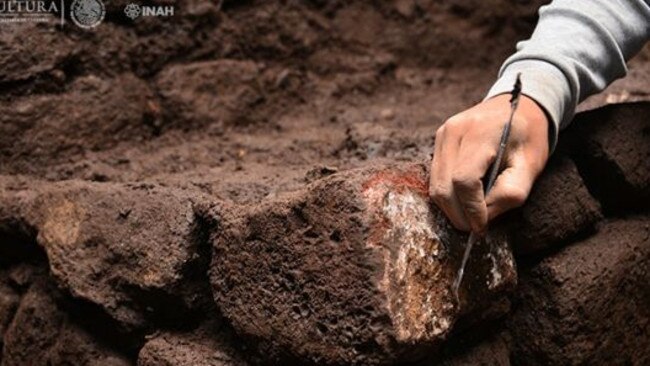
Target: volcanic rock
<point>355,269</point>
<point>207,346</point>
<point>134,250</point>
<point>8,303</point>
<point>587,304</point>
<point>41,333</point>
<point>612,151</point>
<point>559,208</point>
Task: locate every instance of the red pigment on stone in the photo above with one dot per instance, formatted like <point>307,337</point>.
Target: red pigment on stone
<point>412,180</point>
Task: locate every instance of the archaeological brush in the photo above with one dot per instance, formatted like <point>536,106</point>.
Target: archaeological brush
<point>494,171</point>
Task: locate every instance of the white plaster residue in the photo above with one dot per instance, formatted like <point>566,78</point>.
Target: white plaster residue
<point>440,325</point>
<point>506,255</point>
<point>409,213</point>
<point>495,273</point>
<point>410,223</point>
<point>415,312</point>
<point>502,263</point>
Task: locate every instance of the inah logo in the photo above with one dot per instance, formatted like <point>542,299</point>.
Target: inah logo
<point>134,10</point>
<point>87,13</point>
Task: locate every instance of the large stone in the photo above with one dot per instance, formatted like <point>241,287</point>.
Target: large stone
<point>588,304</point>
<point>355,269</point>
<point>612,151</point>
<point>134,250</point>
<point>137,251</point>
<point>559,208</point>
<point>207,346</point>
<point>17,236</point>
<point>42,334</point>
<point>8,303</point>
<point>493,350</point>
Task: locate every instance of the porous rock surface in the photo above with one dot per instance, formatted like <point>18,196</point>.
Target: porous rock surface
<point>9,300</point>
<point>41,332</point>
<point>559,208</point>
<point>198,348</point>
<point>587,303</point>
<point>355,269</point>
<point>612,148</point>
<point>493,350</point>
<point>131,249</point>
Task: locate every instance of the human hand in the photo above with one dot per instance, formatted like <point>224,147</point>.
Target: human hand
<point>466,145</point>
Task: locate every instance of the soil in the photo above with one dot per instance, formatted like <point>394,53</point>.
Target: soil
<point>117,144</point>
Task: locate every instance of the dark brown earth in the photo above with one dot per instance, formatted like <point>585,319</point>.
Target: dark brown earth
<point>175,192</point>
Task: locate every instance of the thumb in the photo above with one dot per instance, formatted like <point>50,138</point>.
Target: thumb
<point>510,190</point>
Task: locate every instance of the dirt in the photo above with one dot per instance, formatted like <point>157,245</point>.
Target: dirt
<point>127,152</point>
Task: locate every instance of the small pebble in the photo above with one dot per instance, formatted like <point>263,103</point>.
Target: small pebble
<point>387,114</point>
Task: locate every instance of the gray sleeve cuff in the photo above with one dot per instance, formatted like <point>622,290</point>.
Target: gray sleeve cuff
<point>544,83</point>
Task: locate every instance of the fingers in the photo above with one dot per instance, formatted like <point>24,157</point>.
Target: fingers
<point>511,188</point>
<point>474,162</point>
<point>441,188</point>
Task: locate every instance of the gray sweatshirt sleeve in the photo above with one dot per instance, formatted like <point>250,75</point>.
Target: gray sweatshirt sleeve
<point>577,49</point>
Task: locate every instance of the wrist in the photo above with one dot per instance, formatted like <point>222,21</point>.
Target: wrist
<point>533,127</point>
<point>545,84</point>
